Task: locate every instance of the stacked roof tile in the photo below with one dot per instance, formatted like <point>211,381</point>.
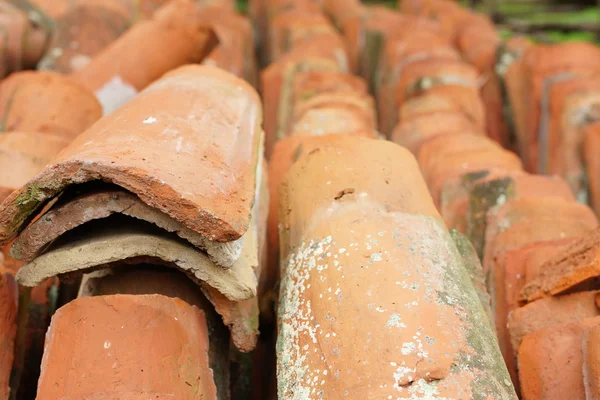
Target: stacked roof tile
<point>169,231</point>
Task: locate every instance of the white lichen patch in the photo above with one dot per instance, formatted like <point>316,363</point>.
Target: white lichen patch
<point>395,321</point>
<point>296,321</point>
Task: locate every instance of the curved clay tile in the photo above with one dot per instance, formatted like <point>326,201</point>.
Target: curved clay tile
<point>194,124</point>
<point>116,343</point>
<point>451,16</point>
<point>514,211</point>
<point>591,360</point>
<point>398,56</point>
<point>333,113</point>
<point>359,31</point>
<point>543,66</point>
<point>465,99</point>
<point>522,221</point>
<point>235,51</point>
<point>146,280</point>
<point>58,8</point>
<point>413,133</point>
<point>506,282</point>
<point>288,26</point>
<point>428,102</point>
<point>479,49</point>
<point>366,228</point>
<point>25,35</point>
<point>226,289</point>
<point>551,362</point>
<point>9,293</point>
<point>449,157</point>
<point>179,37</point>
<point>551,312</point>
<point>574,105</point>
<point>23,156</point>
<point>420,76</point>
<point>567,270</point>
<point>270,10</point>
<point>285,153</point>
<point>499,186</point>
<point>474,268</point>
<point>325,53</point>
<point>83,31</point>
<point>62,106</point>
<point>339,10</point>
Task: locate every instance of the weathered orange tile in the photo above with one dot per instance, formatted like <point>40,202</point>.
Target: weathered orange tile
<point>592,164</point>
<point>285,153</point>
<point>62,106</point>
<point>500,186</point>
<point>544,65</point>
<point>415,132</point>
<point>115,341</point>
<point>325,53</point>
<point>130,149</point>
<point>574,104</point>
<point>25,35</point>
<point>23,156</point>
<point>551,362</point>
<point>179,37</point>
<point>508,278</point>
<point>419,76</point>
<point>289,27</point>
<point>341,234</point>
<point>397,55</point>
<point>551,312</point>
<point>83,30</point>
<point>447,157</point>
<point>566,270</point>
<point>235,51</point>
<point>150,280</point>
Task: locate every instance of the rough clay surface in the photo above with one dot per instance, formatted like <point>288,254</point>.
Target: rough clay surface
<point>551,362</point>
<point>356,256</point>
<point>145,346</point>
<point>149,280</point>
<point>576,264</point>
<point>187,146</point>
<point>551,312</point>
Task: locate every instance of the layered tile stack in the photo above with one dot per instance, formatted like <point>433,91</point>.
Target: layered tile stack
<point>150,186</point>
<point>63,109</point>
<point>308,90</point>
<point>554,97</point>
<point>316,111</point>
<point>374,246</point>
<point>513,219</point>
<point>428,43</point>
<point>555,332</point>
